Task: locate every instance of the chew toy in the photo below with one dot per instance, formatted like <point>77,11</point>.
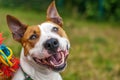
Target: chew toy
<point>8,63</point>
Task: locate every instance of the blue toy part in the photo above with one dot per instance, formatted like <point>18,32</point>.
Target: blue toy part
<point>5,55</point>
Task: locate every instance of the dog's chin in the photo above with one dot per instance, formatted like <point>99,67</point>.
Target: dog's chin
<point>56,61</point>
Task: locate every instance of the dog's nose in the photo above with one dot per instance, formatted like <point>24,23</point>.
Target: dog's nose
<point>51,44</point>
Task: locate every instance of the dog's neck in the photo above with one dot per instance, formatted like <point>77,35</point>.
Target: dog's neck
<point>37,73</point>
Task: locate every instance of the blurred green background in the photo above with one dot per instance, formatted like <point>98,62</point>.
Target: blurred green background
<point>93,27</point>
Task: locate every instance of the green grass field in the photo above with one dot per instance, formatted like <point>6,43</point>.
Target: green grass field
<point>95,46</point>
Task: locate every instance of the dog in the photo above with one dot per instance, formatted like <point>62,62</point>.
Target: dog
<point>45,47</point>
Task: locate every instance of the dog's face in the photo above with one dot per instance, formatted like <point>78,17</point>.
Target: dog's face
<point>46,44</point>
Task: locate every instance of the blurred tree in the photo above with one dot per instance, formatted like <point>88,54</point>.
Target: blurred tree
<point>25,4</point>
<point>89,9</point>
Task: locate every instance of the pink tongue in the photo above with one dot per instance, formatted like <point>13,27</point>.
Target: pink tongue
<point>56,58</point>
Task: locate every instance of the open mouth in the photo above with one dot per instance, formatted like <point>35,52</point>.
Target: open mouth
<point>57,61</point>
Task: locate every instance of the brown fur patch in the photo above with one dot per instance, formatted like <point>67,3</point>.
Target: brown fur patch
<point>52,14</point>
<point>27,42</point>
<point>60,32</point>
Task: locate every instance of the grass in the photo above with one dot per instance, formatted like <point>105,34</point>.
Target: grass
<point>95,47</point>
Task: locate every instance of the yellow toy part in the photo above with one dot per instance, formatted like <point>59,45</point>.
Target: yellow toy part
<point>5,57</point>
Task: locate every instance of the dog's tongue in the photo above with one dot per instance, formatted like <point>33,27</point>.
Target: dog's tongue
<point>56,59</point>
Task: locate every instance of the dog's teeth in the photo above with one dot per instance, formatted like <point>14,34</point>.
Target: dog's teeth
<point>51,62</point>
<point>44,61</point>
<point>62,53</point>
<point>62,58</point>
<point>39,61</point>
<point>61,62</point>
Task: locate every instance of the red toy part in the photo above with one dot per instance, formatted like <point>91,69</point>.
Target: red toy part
<point>9,71</point>
<point>1,39</point>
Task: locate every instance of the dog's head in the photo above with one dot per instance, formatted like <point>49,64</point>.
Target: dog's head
<point>46,44</point>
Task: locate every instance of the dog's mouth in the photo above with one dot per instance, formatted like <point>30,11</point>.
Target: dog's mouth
<point>56,62</point>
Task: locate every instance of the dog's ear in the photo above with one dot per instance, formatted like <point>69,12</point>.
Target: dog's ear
<point>16,27</point>
<point>52,14</point>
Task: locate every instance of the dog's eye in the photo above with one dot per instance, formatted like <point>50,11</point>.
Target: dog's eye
<point>32,37</point>
<point>55,29</point>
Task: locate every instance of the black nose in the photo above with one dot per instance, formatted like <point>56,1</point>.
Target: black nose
<point>51,44</point>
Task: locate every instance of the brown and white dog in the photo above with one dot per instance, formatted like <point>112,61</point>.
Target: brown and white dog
<point>45,47</point>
